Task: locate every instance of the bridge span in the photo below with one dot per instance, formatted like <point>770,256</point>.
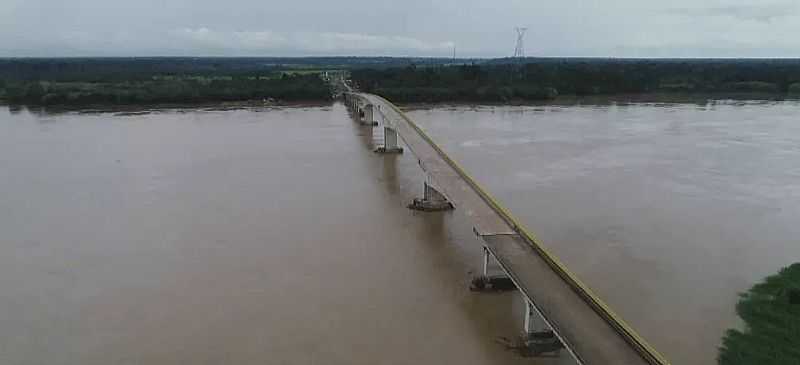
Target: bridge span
<point>555,299</point>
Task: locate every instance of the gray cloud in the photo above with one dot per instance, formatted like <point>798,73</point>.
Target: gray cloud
<point>308,42</point>
<point>616,28</point>
<point>755,12</point>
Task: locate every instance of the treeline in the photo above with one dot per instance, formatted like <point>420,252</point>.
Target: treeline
<point>450,83</point>
<point>139,68</point>
<point>771,314</point>
<point>546,79</point>
<point>173,89</point>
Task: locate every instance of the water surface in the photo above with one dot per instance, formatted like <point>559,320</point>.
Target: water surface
<point>275,235</point>
<point>253,236</point>
<point>667,210</point>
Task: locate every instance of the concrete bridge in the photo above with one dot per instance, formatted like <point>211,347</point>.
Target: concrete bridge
<point>560,310</point>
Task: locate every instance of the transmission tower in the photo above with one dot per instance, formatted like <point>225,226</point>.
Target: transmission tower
<point>519,51</point>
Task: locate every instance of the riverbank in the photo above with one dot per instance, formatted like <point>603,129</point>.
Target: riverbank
<point>163,90</point>
<point>139,109</point>
<point>651,99</point>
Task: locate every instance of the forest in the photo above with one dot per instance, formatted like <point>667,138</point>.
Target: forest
<point>543,79</point>
<point>143,80</point>
<point>157,80</point>
<point>169,89</point>
<point>189,80</point>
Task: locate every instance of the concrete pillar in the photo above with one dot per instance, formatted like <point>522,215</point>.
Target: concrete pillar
<point>389,142</point>
<point>496,281</point>
<point>432,194</point>
<point>537,336</point>
<point>432,201</point>
<point>530,321</point>
<point>486,255</point>
<point>369,115</point>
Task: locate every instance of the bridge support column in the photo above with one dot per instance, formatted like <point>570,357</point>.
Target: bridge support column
<point>369,115</point>
<point>487,282</point>
<point>537,337</point>
<point>431,201</point>
<point>390,142</point>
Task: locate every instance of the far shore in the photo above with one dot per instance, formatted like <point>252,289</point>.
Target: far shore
<point>134,109</point>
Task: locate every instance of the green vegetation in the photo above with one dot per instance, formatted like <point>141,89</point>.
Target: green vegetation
<point>81,81</point>
<point>771,312</point>
<point>186,80</point>
<point>169,90</point>
<point>450,83</point>
<point>546,78</point>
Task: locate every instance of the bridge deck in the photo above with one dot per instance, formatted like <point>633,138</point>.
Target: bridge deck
<point>589,336</point>
<point>591,331</point>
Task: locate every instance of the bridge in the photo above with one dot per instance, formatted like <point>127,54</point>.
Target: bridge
<point>559,308</point>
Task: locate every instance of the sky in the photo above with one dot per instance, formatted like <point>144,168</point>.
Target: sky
<point>485,28</point>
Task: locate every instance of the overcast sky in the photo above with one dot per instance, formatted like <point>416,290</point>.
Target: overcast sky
<point>477,28</point>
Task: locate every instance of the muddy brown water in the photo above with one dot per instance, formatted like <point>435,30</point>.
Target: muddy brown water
<point>667,210</point>
<point>275,236</point>
<point>255,236</point>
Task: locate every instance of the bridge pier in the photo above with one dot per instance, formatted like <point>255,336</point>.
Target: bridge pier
<point>537,337</point>
<point>389,142</point>
<point>369,115</point>
<point>352,103</point>
<point>432,201</point>
<point>495,282</point>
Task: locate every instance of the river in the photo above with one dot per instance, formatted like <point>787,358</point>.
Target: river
<point>275,235</point>
<point>667,210</point>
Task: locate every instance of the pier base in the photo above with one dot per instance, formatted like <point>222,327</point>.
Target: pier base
<point>492,284</point>
<point>539,344</point>
<point>389,142</point>
<point>432,201</point>
<point>537,338</point>
<point>487,283</point>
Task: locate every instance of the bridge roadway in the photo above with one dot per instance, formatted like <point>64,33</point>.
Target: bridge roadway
<point>587,327</point>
